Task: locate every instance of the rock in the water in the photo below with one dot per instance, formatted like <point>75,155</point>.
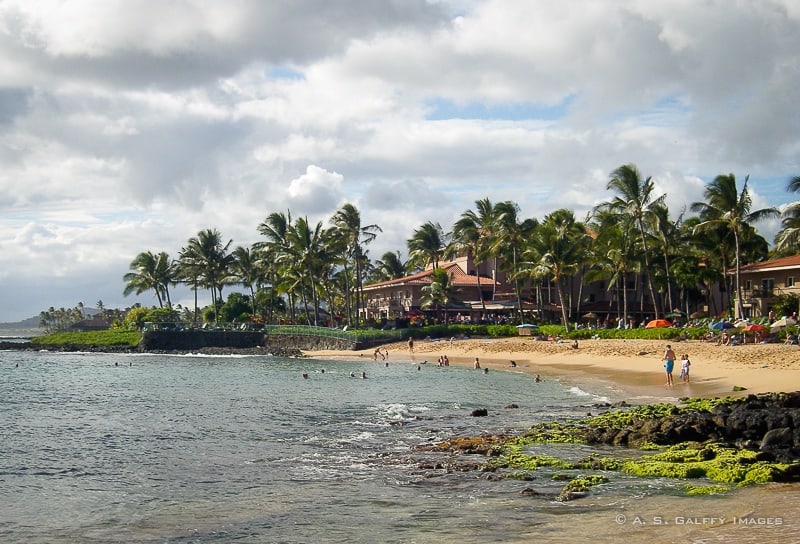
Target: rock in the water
<point>479,412</point>
<point>777,438</point>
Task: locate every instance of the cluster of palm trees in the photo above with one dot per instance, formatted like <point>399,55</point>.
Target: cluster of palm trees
<point>62,319</point>
<point>630,237</point>
<point>306,263</point>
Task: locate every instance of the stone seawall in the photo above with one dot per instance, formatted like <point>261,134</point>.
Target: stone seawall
<point>194,340</point>
<point>279,343</point>
<point>311,343</point>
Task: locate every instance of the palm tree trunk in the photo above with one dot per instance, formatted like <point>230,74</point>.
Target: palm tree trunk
<point>314,297</point>
<point>516,287</point>
<point>348,307</point>
<point>304,300</point>
<point>194,287</point>
<point>560,291</point>
<point>739,305</point>
<point>580,296</point>
<point>359,292</point>
<point>624,303</point>
<point>480,291</point>
<point>647,268</point>
<point>669,281</point>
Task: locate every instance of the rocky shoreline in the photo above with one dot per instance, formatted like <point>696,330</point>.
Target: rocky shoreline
<point>769,423</point>
<point>728,441</point>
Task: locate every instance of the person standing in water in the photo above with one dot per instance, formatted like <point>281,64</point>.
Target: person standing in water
<point>669,363</point>
<point>685,364</point>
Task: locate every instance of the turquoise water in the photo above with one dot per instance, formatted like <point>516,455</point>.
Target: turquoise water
<point>154,448</point>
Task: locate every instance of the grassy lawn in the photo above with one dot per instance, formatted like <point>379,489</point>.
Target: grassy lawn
<point>113,337</point>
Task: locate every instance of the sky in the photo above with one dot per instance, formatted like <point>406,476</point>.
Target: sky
<point>130,125</point>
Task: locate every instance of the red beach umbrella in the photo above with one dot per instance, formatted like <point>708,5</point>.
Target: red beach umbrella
<point>658,323</point>
<point>755,327</point>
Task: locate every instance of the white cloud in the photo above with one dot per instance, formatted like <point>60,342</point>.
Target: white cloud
<point>128,126</point>
<point>315,192</point>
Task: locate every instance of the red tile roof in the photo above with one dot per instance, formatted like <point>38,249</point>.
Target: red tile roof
<point>458,277</point>
<point>782,263</point>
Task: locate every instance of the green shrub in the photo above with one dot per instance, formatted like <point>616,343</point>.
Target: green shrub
<point>112,337</point>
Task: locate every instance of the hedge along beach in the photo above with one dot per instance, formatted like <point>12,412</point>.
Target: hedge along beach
<point>635,367</point>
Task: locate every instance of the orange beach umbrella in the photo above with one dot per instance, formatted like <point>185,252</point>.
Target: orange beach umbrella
<point>658,323</point>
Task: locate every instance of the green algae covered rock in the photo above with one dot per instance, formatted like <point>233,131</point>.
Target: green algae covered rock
<point>729,441</point>
<point>695,490</point>
<point>716,462</point>
<point>577,487</point>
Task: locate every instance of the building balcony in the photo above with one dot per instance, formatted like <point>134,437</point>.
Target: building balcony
<point>759,293</point>
<point>392,304</point>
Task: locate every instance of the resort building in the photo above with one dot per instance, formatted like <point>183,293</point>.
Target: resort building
<point>398,298</point>
<point>762,283</point>
<point>588,303</point>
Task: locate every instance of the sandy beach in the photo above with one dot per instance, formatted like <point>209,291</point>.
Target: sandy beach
<point>632,368</point>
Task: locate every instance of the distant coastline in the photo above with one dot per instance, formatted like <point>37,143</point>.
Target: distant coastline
<point>26,334</point>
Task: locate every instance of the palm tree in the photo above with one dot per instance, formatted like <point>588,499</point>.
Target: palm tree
<point>347,221</point>
<point>309,246</point>
<point>711,253</point>
<point>247,267</point>
<point>206,258</point>
<point>510,236</point>
<point>635,198</point>
<point>557,250</point>
<point>787,241</point>
<point>439,292</point>
<point>666,233</point>
<point>167,274</point>
<point>389,267</point>
<point>275,228</point>
<point>728,208</point>
<point>150,271</point>
<point>614,254</point>
<point>426,245</point>
<point>473,233</point>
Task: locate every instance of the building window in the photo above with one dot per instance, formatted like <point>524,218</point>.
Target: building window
<point>790,281</point>
<point>748,285</point>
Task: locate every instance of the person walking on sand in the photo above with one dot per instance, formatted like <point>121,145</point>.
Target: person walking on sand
<point>411,344</point>
<point>669,363</point>
<point>477,363</point>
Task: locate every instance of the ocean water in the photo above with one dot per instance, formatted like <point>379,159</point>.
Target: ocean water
<point>98,448</point>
